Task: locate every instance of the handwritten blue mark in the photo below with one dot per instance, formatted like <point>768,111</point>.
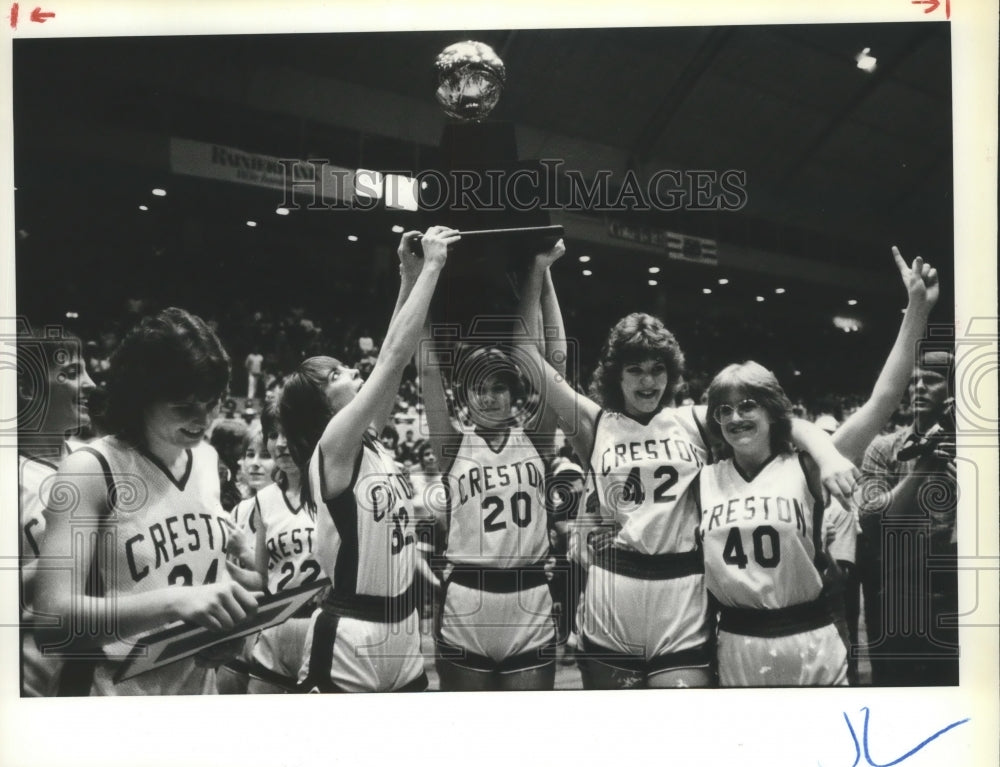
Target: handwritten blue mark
<point>907,755</point>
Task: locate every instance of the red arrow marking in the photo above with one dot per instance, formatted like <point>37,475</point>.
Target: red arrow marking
<point>41,18</point>
<point>13,16</point>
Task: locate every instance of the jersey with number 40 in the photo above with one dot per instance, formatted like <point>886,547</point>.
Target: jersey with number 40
<point>759,534</point>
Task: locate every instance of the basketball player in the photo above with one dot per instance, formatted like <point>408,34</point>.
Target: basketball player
<point>366,636</point>
<point>47,414</point>
<point>645,606</point>
<point>496,615</point>
<point>762,515</point>
<point>139,510</point>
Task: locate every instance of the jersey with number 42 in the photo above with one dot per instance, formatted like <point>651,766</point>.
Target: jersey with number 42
<point>758,534</point>
<point>643,474</point>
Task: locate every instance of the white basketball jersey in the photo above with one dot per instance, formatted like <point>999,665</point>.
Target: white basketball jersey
<point>290,540</point>
<point>169,532</point>
<point>758,534</point>
<point>243,514</point>
<point>34,483</point>
<point>497,502</point>
<point>364,537</point>
<point>643,474</point>
<point>39,673</point>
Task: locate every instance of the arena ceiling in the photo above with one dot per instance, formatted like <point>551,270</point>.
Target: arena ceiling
<point>840,162</point>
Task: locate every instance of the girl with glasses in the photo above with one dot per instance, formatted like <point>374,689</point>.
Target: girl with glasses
<point>762,514</point>
<point>645,616</point>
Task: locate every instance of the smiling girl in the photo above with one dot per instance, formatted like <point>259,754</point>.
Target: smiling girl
<point>762,514</point>
<point>645,606</point>
<point>138,512</point>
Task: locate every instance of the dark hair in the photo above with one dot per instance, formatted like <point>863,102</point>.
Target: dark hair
<point>753,381</point>
<point>168,357</point>
<point>230,440</point>
<point>390,431</point>
<point>269,421</point>
<point>635,339</point>
<point>304,411</point>
<point>478,364</point>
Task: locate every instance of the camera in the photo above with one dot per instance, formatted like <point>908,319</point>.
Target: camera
<point>943,431</point>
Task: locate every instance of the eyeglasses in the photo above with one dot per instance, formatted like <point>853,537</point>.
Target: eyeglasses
<point>744,408</point>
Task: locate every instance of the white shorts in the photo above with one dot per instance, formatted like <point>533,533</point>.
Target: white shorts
<point>368,656</point>
<point>644,619</point>
<point>482,629</point>
<point>279,649</point>
<point>814,658</point>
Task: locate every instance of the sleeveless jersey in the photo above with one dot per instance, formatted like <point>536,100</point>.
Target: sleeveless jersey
<point>643,474</point>
<point>290,540</point>
<point>34,485</point>
<point>39,673</point>
<point>243,515</point>
<point>364,537</point>
<point>169,533</point>
<point>497,502</point>
<point>759,534</point>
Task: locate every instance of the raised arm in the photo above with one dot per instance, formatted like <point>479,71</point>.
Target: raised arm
<point>576,413</point>
<point>410,265</point>
<point>857,432</point>
<point>61,590</point>
<point>443,434</point>
<point>341,440</point>
<point>552,344</point>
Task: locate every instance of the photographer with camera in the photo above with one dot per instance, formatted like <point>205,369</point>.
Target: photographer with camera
<point>907,547</point>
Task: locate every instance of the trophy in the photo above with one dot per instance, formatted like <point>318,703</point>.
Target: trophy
<point>502,227</point>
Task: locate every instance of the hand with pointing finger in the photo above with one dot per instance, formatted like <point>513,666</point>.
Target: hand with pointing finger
<point>920,281</point>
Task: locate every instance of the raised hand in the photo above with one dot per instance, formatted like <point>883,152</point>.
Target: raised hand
<point>920,281</point>
<point>410,263</point>
<point>435,244</point>
<point>549,257</point>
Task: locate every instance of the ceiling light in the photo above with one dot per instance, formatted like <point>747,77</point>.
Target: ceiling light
<point>282,211</point>
<point>143,207</point>
<point>352,237</point>
<point>397,229</point>
<point>852,302</point>
<point>159,192</point>
<point>587,272</point>
<point>652,283</point>
<point>706,291</point>
<point>760,299</point>
<point>251,224</point>
<point>866,62</point>
<point>654,270</point>
<point>584,259</point>
<point>723,281</point>
<point>779,291</point>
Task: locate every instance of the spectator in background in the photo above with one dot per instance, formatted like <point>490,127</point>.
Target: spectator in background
<point>908,543</point>
<point>389,438</point>
<point>229,438</point>
<point>406,450</point>
<point>254,366</point>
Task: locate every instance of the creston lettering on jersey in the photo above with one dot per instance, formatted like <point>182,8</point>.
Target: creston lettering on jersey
<point>288,543</point>
<point>169,539</point>
<point>480,480</point>
<point>383,492</point>
<point>759,508</point>
<point>669,449</point>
